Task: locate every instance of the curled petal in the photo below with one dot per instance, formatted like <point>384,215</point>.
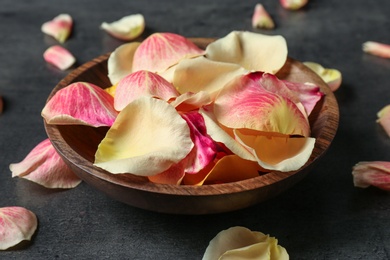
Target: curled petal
<point>161,50</point>
<point>191,101</point>
<point>332,77</point>
<point>253,51</point>
<point>261,18</point>
<point>80,103</point>
<point>126,28</point>
<point>242,243</point>
<point>16,224</point>
<point>59,57</point>
<point>375,173</point>
<point>44,166</point>
<point>142,83</point>
<point>120,62</point>
<point>384,119</point>
<point>377,49</point>
<point>147,138</point>
<point>293,4</point>
<point>60,27</point>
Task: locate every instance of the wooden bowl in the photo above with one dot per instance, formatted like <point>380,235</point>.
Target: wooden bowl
<point>77,145</point>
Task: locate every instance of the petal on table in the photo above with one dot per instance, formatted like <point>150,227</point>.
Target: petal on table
<point>293,4</point>
<point>60,27</point>
<point>253,51</point>
<point>243,103</point>
<point>277,152</point>
<point>191,101</point>
<point>375,173</point>
<point>44,166</point>
<point>161,50</point>
<point>59,57</point>
<point>16,225</point>
<point>142,83</point>
<point>127,28</point>
<point>147,138</point>
<point>120,61</point>
<point>80,103</point>
<point>332,77</point>
<point>384,119</point>
<point>377,49</point>
<point>261,18</point>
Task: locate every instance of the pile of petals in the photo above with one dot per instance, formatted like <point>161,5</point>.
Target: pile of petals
<point>178,114</point>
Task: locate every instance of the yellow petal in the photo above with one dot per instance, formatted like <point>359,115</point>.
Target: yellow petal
<point>111,90</point>
<point>126,28</point>
<point>332,77</point>
<point>384,118</point>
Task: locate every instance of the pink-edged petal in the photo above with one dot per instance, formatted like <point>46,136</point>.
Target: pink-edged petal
<point>253,51</point>
<point>59,57</point>
<point>332,77</point>
<point>60,27</point>
<point>142,83</point>
<point>293,4</point>
<point>242,243</point>
<point>174,175</point>
<point>191,101</point>
<point>44,166</point>
<point>378,49</point>
<point>120,61</point>
<point>80,103</point>
<point>243,103</point>
<point>16,225</point>
<point>147,138</point>
<point>384,119</point>
<point>127,28</point>
<point>261,18</point>
<point>161,50</point>
<point>375,173</point>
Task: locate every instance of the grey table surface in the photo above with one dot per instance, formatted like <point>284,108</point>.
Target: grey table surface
<point>322,217</point>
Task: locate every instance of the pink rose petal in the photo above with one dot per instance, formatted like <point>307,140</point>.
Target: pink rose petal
<point>377,49</point>
<point>16,224</point>
<point>44,166</point>
<point>261,18</point>
<point>59,57</point>
<point>60,27</point>
<point>375,173</point>
<point>80,103</point>
<point>293,4</point>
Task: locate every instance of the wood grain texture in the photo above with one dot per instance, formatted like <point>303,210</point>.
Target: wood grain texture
<point>77,146</point>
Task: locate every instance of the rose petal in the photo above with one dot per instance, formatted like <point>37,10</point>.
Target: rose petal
<point>16,224</point>
<point>120,61</point>
<point>60,27</point>
<point>161,50</point>
<point>191,101</point>
<point>147,138</point>
<point>111,90</point>
<point>253,51</point>
<point>375,173</point>
<point>261,18</point>
<point>127,28</point>
<point>44,166</point>
<point>59,57</point>
<point>377,49</point>
<point>332,77</point>
<point>384,118</point>
<point>293,4</point>
<point>242,243</point>
<point>173,175</point>
<point>80,103</point>
<point>142,83</point>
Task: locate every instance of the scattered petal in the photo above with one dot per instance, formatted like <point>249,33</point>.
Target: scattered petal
<point>377,49</point>
<point>293,4</point>
<point>120,62</point>
<point>161,50</point>
<point>127,28</point>
<point>384,119</point>
<point>261,18</point>
<point>147,138</point>
<point>60,27</point>
<point>16,225</point>
<point>142,83</point>
<point>44,166</point>
<point>375,173</point>
<point>80,103</point>
<point>191,101</point>
<point>242,243</point>
<point>332,77</point>
<point>59,57</point>
<point>253,51</point>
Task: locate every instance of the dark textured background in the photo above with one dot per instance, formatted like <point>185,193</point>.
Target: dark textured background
<point>322,217</point>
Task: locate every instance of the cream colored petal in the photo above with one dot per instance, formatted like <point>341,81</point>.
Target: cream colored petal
<point>253,51</point>
<point>59,57</point>
<point>378,49</point>
<point>120,62</point>
<point>191,101</point>
<point>375,173</point>
<point>60,27</point>
<point>332,77</point>
<point>147,138</point>
<point>384,119</point>
<point>127,28</point>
